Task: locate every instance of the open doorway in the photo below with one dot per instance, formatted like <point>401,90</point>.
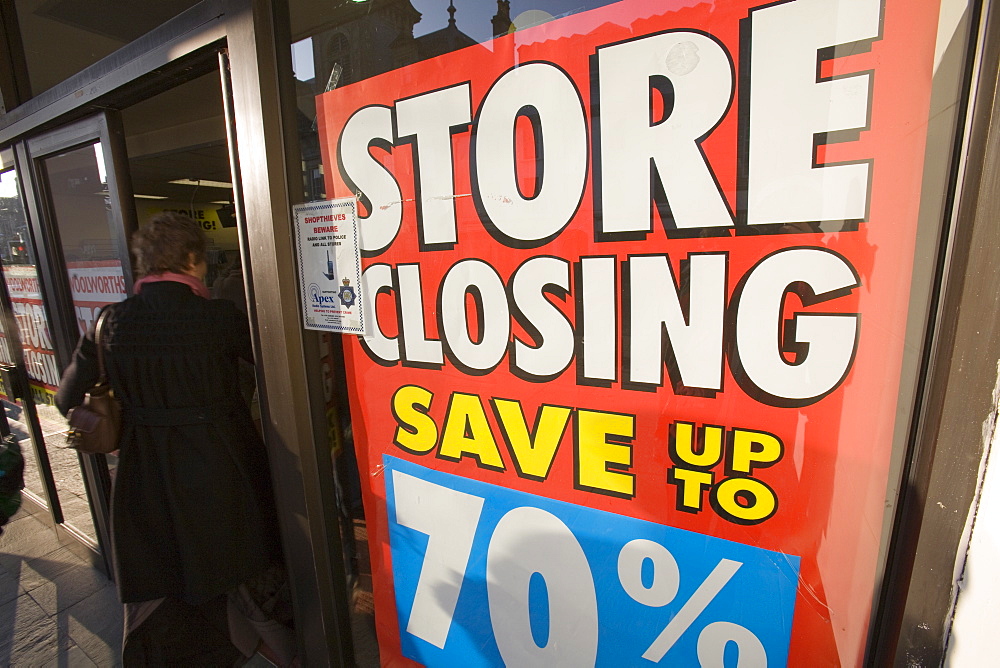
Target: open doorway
<point>179,161</point>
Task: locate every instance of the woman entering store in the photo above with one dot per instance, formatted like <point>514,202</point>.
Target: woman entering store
<point>197,557</point>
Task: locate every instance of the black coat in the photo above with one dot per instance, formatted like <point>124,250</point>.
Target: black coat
<point>192,511</point>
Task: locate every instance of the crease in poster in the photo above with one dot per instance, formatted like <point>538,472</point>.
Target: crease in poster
<point>637,284</point>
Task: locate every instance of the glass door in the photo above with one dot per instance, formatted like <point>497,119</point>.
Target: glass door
<point>71,261</point>
<point>19,414</point>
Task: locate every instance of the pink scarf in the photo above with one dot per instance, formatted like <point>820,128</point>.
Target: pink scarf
<point>196,286</point>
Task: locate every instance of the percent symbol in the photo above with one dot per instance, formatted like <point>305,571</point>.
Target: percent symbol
<point>663,589</point>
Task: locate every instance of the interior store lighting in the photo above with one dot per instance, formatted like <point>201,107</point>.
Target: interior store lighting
<point>205,183</point>
<point>105,193</point>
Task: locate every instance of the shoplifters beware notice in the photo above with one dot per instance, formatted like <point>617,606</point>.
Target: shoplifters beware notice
<point>329,266</point>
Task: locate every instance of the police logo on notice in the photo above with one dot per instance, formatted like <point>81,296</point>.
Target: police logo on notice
<point>346,294</point>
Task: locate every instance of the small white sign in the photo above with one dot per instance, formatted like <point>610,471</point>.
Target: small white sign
<point>326,237</point>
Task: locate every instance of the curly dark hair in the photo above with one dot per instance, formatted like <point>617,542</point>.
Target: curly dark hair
<point>166,243</point>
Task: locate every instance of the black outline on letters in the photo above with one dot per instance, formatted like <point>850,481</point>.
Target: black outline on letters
<point>487,223</point>
<point>736,366</point>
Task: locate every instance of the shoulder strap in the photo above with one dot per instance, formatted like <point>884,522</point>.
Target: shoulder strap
<point>98,327</point>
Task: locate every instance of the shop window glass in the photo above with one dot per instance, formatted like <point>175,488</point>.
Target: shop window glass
<point>76,179</point>
<point>78,184</point>
<point>79,200</point>
<point>647,284</point>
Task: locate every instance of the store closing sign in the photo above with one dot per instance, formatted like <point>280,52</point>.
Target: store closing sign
<point>631,386</point>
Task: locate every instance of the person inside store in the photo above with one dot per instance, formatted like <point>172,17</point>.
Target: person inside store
<point>196,550</point>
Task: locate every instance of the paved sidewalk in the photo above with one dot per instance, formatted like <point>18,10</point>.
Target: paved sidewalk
<point>55,609</point>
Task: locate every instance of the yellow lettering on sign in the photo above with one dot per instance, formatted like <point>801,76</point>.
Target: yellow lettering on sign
<point>744,500</point>
<point>753,449</point>
<point>691,486</point>
<point>467,433</point>
<point>532,454</point>
<point>602,464</point>
<point>683,444</point>
<point>416,431</point>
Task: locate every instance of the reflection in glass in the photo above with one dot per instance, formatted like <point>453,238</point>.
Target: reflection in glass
<point>13,232</point>
<point>339,45</point>
<point>43,379</point>
<point>78,188</point>
<point>77,182</point>
<point>60,38</point>
<point>345,44</point>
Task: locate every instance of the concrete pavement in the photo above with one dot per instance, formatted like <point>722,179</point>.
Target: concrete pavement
<point>55,609</point>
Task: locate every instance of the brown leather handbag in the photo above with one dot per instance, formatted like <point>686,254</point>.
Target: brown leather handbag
<point>95,425</point>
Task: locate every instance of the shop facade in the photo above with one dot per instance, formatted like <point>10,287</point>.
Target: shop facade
<point>679,328</point>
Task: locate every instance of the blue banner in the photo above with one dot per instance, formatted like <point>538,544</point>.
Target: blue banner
<point>488,576</point>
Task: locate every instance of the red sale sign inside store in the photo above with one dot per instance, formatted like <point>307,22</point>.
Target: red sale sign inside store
<point>639,279</point>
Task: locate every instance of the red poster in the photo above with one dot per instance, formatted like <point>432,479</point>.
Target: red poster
<point>94,284</point>
<point>640,281</point>
<point>33,329</point>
